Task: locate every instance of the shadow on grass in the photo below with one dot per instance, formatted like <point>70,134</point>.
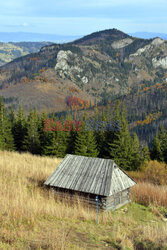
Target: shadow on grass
<point>37,182</point>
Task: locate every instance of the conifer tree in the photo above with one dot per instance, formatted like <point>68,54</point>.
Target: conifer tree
<point>31,141</point>
<point>159,149</point>
<point>50,147</point>
<point>156,152</point>
<point>85,143</point>
<point>6,137</point>
<point>72,134</point>
<point>58,141</point>
<point>145,154</point>
<point>19,128</point>
<point>92,150</point>
<point>45,136</point>
<point>80,147</point>
<point>136,153</point>
<point>120,148</point>
<point>112,133</point>
<point>12,115</point>
<point>62,139</point>
<point>163,142</point>
<point>101,132</point>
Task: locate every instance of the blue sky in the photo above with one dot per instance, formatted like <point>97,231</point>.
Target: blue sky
<point>80,17</point>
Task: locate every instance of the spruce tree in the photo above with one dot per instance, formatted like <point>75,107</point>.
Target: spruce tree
<point>2,126</point>
<point>58,141</point>
<point>136,153</point>
<point>156,152</point>
<point>80,147</point>
<point>19,128</point>
<point>12,115</point>
<point>6,137</point>
<point>112,132</point>
<point>145,152</point>
<point>163,142</point>
<point>62,139</point>
<point>120,147</point>
<point>85,143</point>
<point>101,133</point>
<point>31,141</point>
<point>92,150</point>
<point>159,149</point>
<point>45,137</point>
<point>50,147</point>
<point>72,134</point>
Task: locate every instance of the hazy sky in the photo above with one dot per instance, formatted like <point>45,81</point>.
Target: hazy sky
<point>80,17</point>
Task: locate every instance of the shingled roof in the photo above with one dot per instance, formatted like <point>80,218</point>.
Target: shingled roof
<point>90,175</point>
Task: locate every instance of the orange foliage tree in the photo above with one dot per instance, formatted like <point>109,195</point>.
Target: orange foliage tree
<point>76,102</point>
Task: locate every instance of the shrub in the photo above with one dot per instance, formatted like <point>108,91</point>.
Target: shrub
<point>146,193</point>
<point>154,172</point>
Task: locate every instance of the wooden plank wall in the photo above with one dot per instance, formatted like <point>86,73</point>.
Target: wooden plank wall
<point>117,200</point>
<point>104,203</point>
<point>77,197</point>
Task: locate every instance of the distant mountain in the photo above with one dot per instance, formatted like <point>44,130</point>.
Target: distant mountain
<point>56,38</point>
<point>148,35</point>
<point>34,37</point>
<point>11,51</point>
<point>99,68</point>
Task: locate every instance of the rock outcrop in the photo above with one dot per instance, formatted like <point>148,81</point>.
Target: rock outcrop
<point>162,62</point>
<point>63,65</point>
<point>121,43</point>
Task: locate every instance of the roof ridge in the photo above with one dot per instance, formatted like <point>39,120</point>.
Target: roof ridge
<point>91,157</point>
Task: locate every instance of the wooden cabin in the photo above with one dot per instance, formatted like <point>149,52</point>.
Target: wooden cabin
<point>92,179</point>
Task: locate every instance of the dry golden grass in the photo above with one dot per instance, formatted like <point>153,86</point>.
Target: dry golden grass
<point>146,193</point>
<point>151,185</point>
<point>30,218</point>
<point>153,172</point>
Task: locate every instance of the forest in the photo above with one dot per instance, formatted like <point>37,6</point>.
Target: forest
<point>28,133</point>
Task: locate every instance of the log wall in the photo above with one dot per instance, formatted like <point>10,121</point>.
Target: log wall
<point>105,203</point>
<point>117,200</point>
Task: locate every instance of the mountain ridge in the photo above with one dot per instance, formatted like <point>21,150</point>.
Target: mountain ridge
<point>97,68</point>
<point>57,38</point>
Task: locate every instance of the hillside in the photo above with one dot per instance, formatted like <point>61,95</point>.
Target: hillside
<point>10,51</point>
<point>103,63</point>
<point>98,68</point>
<point>30,218</point>
<point>147,109</point>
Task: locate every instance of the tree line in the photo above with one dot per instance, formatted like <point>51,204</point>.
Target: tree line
<point>28,134</point>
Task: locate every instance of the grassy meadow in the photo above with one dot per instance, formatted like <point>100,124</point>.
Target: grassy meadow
<point>30,218</point>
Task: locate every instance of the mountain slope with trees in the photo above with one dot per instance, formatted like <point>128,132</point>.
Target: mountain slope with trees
<point>41,135</point>
<point>106,63</point>
<point>94,70</point>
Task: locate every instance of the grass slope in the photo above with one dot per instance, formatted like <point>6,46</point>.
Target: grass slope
<point>31,219</point>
